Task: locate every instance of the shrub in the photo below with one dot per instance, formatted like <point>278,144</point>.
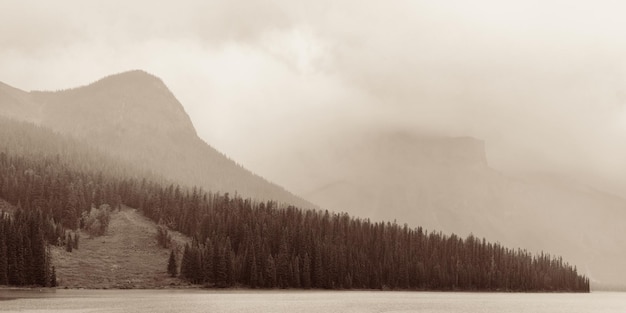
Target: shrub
<point>96,222</point>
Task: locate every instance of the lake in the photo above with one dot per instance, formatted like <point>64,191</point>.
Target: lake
<point>305,301</point>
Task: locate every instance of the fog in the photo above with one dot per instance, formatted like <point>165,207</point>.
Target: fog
<point>541,82</point>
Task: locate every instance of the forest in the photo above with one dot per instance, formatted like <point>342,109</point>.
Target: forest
<point>24,254</point>
<point>237,241</point>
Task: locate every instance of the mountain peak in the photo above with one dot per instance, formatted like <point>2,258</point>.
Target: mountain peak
<point>132,76</point>
<point>132,82</point>
<point>129,104</point>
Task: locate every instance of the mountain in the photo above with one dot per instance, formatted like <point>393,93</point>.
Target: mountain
<point>135,117</point>
<point>446,184</point>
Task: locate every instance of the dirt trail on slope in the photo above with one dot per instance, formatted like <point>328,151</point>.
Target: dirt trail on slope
<point>127,256</point>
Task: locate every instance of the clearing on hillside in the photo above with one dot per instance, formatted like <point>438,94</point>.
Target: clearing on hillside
<point>127,256</point>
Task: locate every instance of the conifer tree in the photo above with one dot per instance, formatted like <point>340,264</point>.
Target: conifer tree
<point>185,264</point>
<point>270,272</point>
<point>306,272</point>
<point>53,277</point>
<point>68,243</point>
<point>172,267</point>
<point>221,270</point>
<point>254,280</point>
<point>208,259</point>
<point>4,279</point>
<point>76,239</point>
<point>283,275</point>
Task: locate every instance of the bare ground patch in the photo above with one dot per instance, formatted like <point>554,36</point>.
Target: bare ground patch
<point>127,256</point>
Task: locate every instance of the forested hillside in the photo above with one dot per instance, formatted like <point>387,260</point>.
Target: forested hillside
<point>241,242</point>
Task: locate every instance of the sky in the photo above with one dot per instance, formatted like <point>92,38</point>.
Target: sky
<point>541,82</point>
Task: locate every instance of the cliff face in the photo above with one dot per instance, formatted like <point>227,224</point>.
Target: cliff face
<point>415,178</point>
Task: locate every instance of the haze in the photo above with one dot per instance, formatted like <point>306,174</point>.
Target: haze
<point>541,82</point>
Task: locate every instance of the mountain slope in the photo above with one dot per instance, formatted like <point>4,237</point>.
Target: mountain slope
<point>135,117</point>
<point>446,184</point>
<point>15,103</point>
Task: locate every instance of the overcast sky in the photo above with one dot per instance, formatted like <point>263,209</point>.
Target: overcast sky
<point>542,82</point>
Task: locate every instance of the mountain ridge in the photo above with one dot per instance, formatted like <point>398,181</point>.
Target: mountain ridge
<point>134,116</point>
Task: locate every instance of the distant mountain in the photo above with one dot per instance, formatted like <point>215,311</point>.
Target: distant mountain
<point>446,184</point>
<point>135,117</point>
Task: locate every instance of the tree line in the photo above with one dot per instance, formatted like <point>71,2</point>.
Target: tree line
<point>239,242</point>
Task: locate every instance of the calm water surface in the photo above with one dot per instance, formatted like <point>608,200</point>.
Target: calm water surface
<point>301,301</point>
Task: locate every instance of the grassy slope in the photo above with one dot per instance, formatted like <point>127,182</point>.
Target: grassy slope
<point>127,256</point>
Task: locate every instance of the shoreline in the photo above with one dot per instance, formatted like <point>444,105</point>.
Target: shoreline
<point>202,288</point>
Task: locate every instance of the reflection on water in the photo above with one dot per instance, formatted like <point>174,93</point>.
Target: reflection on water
<point>51,300</point>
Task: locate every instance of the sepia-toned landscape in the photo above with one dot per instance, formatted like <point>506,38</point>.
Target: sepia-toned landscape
<point>273,151</point>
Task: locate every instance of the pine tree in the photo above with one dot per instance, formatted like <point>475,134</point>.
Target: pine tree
<point>221,270</point>
<point>76,239</point>
<point>208,268</point>
<point>270,272</point>
<point>68,243</point>
<point>296,273</point>
<point>230,264</point>
<point>53,277</point>
<point>4,279</point>
<point>283,274</point>
<point>40,259</point>
<point>254,280</point>
<point>172,267</point>
<point>318,277</point>
<point>185,264</point>
<point>306,272</point>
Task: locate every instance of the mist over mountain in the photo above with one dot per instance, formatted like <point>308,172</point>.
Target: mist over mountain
<point>135,117</point>
<point>440,183</point>
<point>446,183</point>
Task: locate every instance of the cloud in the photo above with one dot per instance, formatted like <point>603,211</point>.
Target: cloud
<point>542,82</point>
<point>539,81</point>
